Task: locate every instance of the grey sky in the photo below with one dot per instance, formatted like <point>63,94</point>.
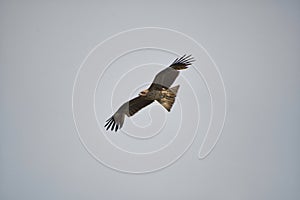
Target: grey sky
<point>256,47</point>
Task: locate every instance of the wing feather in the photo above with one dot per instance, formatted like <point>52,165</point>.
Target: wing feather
<point>137,104</point>
<point>129,109</point>
<point>166,77</point>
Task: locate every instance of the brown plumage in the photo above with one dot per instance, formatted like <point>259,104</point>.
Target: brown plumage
<point>159,91</point>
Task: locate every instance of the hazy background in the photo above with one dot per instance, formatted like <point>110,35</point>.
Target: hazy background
<point>256,46</point>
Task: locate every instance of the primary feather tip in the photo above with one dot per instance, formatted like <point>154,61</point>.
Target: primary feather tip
<point>182,62</point>
<point>111,123</point>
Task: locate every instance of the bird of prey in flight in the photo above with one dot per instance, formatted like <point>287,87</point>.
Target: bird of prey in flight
<point>159,91</point>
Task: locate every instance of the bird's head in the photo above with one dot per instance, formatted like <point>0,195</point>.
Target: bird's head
<point>144,93</point>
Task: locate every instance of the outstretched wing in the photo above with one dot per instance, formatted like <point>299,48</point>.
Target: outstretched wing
<point>129,108</point>
<point>166,77</point>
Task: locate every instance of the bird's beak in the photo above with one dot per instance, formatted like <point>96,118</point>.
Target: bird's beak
<point>143,93</point>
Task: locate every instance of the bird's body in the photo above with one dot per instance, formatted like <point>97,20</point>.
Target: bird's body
<point>151,95</point>
<point>165,96</point>
<point>156,94</point>
<point>159,91</point>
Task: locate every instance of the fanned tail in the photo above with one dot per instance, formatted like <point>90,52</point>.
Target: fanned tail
<point>168,97</point>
